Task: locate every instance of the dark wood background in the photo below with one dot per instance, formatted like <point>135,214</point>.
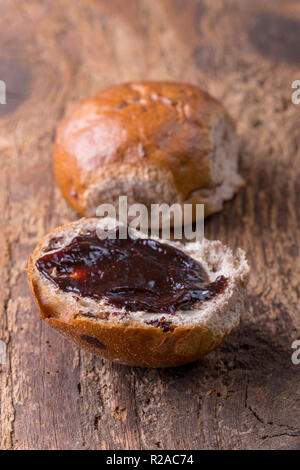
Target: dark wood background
<point>246,53</point>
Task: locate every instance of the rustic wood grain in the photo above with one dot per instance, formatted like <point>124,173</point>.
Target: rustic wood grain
<point>245,395</point>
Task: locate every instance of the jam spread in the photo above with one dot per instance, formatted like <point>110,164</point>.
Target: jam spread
<point>134,273</point>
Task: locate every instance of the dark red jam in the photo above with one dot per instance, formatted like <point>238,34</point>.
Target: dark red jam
<point>161,323</point>
<point>135,273</point>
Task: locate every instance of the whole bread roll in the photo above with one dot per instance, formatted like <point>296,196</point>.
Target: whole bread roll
<point>142,338</point>
<point>155,142</point>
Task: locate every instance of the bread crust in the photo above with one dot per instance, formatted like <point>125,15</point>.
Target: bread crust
<point>156,142</point>
<point>132,343</point>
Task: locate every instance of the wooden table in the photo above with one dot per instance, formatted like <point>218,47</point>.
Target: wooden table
<point>244,395</point>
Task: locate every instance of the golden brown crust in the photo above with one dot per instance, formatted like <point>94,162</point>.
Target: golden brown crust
<point>136,133</point>
<point>138,346</point>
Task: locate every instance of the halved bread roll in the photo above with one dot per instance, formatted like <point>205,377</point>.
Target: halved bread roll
<point>155,142</point>
<point>135,337</point>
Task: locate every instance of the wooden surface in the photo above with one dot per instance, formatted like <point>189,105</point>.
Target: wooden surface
<point>246,53</point>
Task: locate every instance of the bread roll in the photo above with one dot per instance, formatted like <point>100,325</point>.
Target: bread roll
<point>143,338</point>
<point>155,142</point>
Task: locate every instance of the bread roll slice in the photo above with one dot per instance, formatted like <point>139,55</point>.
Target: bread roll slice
<point>139,338</point>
